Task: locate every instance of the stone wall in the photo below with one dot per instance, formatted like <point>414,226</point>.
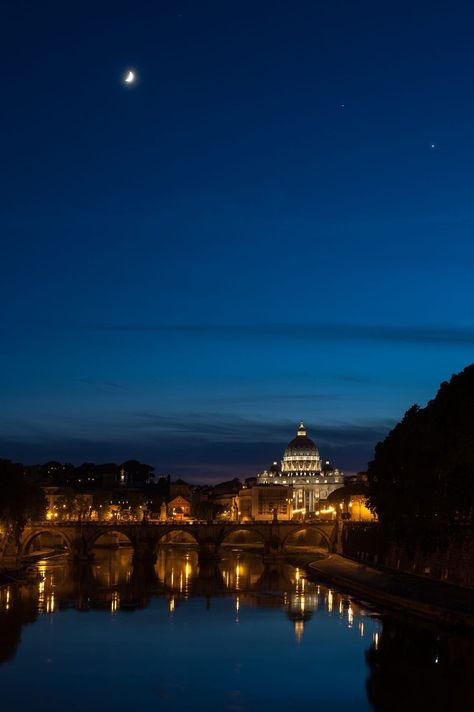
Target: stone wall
<point>453,564</point>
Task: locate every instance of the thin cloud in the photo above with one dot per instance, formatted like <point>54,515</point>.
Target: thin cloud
<point>221,427</point>
<point>417,335</point>
<point>210,448</point>
<point>276,397</point>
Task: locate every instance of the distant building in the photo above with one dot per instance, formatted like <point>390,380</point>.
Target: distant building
<point>224,497</point>
<point>179,508</point>
<point>244,503</point>
<point>180,488</point>
<point>64,503</point>
<point>229,504</point>
<point>301,469</point>
<point>358,479</point>
<point>272,501</point>
<point>228,487</point>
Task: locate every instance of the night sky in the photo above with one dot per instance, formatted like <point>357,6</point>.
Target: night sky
<point>273,223</point>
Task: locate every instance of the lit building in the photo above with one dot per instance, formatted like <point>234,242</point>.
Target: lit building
<point>245,504</point>
<point>179,508</point>
<point>271,501</point>
<point>301,468</point>
<point>359,510</point>
<point>63,502</point>
<point>229,504</point>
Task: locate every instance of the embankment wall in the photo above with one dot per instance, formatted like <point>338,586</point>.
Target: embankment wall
<point>454,563</point>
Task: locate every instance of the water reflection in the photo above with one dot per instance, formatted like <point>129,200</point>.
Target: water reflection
<point>240,570</point>
<point>417,661</point>
<point>415,667</point>
<point>176,568</point>
<point>112,567</point>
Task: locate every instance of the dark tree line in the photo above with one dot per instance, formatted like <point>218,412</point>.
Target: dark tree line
<point>90,475</point>
<point>421,479</point>
<point>20,499</point>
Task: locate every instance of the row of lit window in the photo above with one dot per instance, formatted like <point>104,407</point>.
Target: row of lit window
<point>302,474</point>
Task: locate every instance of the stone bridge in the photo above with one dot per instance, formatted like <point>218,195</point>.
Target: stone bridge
<point>80,537</point>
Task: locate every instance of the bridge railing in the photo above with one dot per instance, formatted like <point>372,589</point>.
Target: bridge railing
<point>156,522</point>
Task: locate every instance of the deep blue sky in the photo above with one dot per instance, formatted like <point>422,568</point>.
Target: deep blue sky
<point>258,231</point>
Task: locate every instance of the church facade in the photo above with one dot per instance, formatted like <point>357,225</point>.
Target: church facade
<point>301,468</point>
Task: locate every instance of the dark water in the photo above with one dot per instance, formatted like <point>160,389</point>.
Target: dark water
<point>238,636</point>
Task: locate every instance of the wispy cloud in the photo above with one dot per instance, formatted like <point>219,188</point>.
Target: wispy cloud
<point>419,335</point>
<point>248,399</point>
<point>202,446</point>
<point>219,428</point>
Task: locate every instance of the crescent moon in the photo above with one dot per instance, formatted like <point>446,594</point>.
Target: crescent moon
<point>130,77</point>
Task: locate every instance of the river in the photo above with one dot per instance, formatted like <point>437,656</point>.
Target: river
<point>237,635</point>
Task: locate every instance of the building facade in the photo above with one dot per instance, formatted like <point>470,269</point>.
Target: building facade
<point>311,480</point>
<point>179,508</point>
<point>272,501</point>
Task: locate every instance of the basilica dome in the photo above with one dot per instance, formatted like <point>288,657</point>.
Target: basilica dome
<point>301,455</point>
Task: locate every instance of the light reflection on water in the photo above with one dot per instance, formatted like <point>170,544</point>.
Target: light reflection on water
<point>240,631</point>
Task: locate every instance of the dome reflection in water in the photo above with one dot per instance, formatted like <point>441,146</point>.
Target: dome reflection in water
<point>239,630</point>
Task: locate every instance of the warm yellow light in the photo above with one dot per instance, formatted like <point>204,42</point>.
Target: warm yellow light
<point>115,602</point>
<point>50,604</point>
<point>299,627</point>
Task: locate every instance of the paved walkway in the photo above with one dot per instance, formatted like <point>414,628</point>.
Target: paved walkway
<point>415,594</point>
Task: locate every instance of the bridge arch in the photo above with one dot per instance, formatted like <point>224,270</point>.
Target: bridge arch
<point>108,532</point>
<point>236,533</point>
<point>30,537</point>
<point>186,536</point>
<point>304,528</point>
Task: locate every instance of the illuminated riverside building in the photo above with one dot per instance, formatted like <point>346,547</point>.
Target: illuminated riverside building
<point>301,469</point>
<point>263,503</point>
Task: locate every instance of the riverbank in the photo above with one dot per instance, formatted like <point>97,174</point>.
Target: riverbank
<point>15,572</point>
<point>412,594</point>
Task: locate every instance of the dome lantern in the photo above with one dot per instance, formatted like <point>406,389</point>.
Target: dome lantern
<point>301,430</point>
<point>301,455</point>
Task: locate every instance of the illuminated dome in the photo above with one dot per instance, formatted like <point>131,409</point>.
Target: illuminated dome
<point>301,455</point>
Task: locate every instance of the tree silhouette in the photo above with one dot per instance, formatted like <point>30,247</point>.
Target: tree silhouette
<point>421,479</point>
<point>20,500</point>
